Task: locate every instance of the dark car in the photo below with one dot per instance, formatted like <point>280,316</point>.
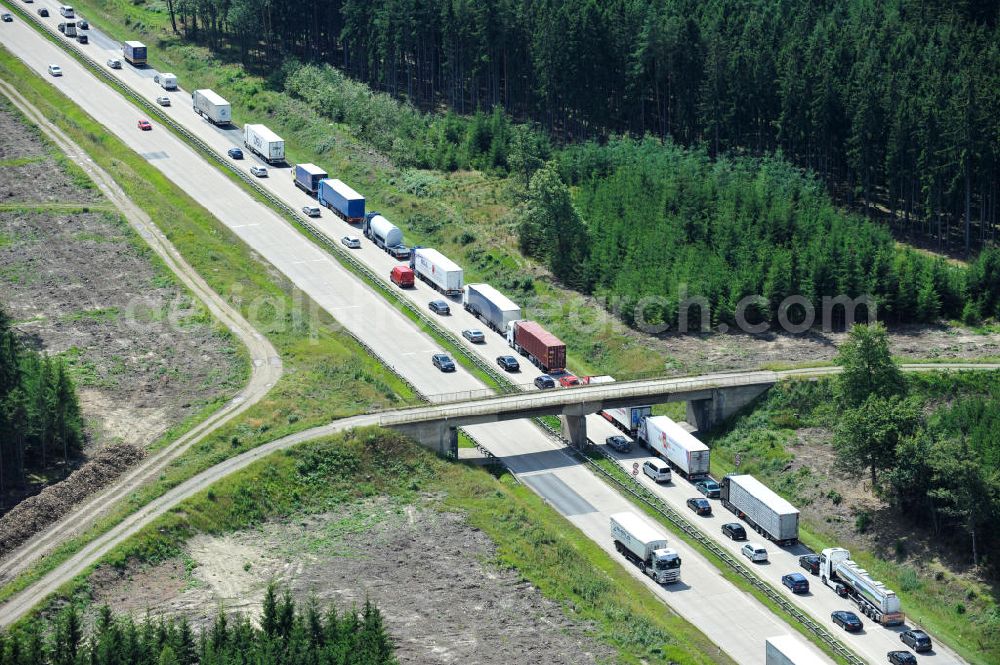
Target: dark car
<point>509,363</point>
<point>797,582</point>
<point>443,362</point>
<point>734,530</point>
<point>439,307</point>
<point>82,24</point>
<point>235,153</point>
<point>700,506</point>
<point>810,562</point>
<point>619,443</point>
<point>709,488</point>
<point>849,621</point>
<point>902,658</point>
<point>43,12</point>
<point>82,39</point>
<point>544,382</point>
<point>917,640</point>
<point>7,18</point>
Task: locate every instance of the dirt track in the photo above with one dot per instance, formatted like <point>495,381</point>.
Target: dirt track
<point>266,365</point>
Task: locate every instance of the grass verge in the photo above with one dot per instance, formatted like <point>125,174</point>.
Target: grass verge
<point>542,546</point>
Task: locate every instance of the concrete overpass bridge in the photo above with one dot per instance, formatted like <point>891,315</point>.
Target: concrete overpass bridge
<point>711,399</point>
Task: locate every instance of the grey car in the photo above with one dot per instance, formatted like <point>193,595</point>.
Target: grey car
<point>619,443</point>
<point>473,335</point>
<point>439,307</point>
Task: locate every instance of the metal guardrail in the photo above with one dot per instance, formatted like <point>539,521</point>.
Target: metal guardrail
<point>637,491</point>
<point>640,493</point>
<point>333,248</point>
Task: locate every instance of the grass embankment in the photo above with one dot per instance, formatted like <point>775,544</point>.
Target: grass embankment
<point>467,215</point>
<point>328,374</point>
<point>956,608</point>
<point>542,546</point>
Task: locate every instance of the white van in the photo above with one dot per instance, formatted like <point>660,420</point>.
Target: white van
<point>66,11</point>
<point>657,469</point>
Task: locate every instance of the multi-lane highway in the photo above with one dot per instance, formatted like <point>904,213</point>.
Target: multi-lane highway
<point>729,617</point>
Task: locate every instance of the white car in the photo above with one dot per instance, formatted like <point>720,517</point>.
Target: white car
<point>163,101</point>
<point>258,171</point>
<point>310,211</point>
<point>55,70</point>
<point>754,552</point>
<point>657,469</point>
<point>351,241</point>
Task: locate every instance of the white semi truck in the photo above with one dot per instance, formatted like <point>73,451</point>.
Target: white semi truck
<point>684,452</point>
<point>211,106</point>
<point>874,599</point>
<point>766,512</point>
<point>437,270</point>
<point>646,547</point>
<point>789,650</point>
<point>264,143</point>
<point>490,306</point>
<point>628,418</point>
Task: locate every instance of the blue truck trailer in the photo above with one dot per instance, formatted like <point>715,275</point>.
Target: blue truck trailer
<point>342,200</point>
<point>307,178</point>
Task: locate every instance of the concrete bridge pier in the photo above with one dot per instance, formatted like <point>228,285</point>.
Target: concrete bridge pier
<point>574,430</point>
<point>706,413</point>
<point>439,436</point>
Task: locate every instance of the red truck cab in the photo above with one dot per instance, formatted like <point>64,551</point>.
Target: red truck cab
<point>402,276</point>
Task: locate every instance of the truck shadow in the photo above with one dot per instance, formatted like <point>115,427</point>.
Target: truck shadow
<point>676,586</point>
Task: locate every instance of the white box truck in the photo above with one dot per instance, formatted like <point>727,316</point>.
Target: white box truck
<point>166,81</point>
<point>873,598</point>
<point>789,650</point>
<point>646,547</point>
<point>264,143</point>
<point>212,107</point>
<point>766,512</point>
<point>676,445</point>
<point>490,306</point>
<point>437,270</point>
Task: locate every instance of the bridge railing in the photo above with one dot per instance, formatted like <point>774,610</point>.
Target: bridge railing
<point>481,402</point>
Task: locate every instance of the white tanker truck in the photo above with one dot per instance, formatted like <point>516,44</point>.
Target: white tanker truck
<point>873,598</point>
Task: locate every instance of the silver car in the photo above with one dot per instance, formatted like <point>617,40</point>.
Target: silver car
<point>351,242</point>
<point>258,171</point>
<point>114,63</point>
<point>163,101</point>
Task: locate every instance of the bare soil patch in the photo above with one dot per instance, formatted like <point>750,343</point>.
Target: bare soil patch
<point>433,576</point>
<point>78,282</point>
<point>714,352</point>
<point>30,170</point>
<point>834,500</point>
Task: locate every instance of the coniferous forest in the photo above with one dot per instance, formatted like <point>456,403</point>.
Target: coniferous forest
<point>894,103</point>
<point>286,635</point>
<point>40,418</point>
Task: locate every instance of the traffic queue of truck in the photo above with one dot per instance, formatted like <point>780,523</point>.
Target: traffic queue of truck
<point>764,511</point>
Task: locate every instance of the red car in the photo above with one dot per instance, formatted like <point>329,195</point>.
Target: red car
<point>144,125</point>
<point>568,380</point>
